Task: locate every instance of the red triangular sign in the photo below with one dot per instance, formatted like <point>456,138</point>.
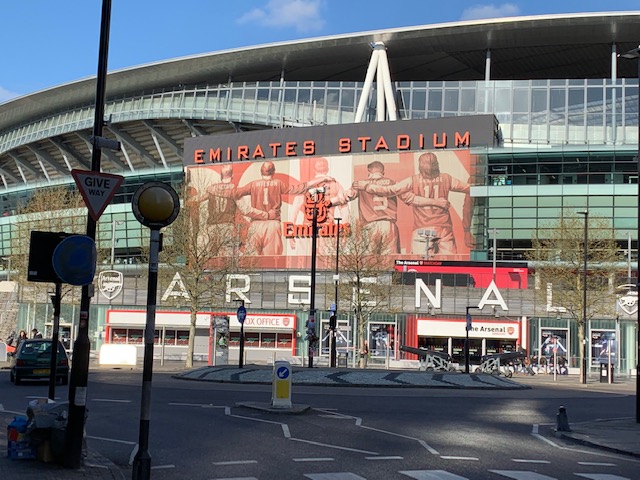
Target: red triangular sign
<point>97,189</point>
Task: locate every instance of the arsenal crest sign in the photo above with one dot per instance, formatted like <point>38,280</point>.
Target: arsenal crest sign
<point>628,298</point>
<point>110,283</point>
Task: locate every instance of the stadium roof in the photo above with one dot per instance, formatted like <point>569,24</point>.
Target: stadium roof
<point>541,47</point>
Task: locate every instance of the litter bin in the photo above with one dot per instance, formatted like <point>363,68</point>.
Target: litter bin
<point>342,360</point>
<point>606,373</point>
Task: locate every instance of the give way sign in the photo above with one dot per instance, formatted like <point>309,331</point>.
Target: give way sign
<point>97,189</point>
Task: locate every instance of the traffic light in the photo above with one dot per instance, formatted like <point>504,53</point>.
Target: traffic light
<point>332,322</point>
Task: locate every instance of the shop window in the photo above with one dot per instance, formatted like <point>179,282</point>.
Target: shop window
<point>119,335</point>
<point>135,336</point>
<point>234,339</point>
<point>170,337</point>
<point>183,337</point>
<point>252,339</point>
<point>268,340</point>
<point>285,340</point>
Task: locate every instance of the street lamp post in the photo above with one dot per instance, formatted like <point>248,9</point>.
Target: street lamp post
<point>469,326</point>
<point>113,240</point>
<point>336,278</point>
<point>635,54</point>
<point>583,374</point>
<point>311,323</point>
<point>155,205</point>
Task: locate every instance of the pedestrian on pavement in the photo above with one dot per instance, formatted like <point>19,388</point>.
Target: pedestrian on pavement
<point>35,333</point>
<point>364,354</point>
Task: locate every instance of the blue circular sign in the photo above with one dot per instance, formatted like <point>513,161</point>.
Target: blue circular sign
<point>241,313</point>
<point>74,260</point>
<point>282,373</point>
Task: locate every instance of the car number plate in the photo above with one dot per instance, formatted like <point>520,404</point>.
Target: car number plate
<point>42,371</point>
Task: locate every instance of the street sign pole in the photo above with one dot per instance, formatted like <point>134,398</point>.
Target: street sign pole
<point>241,313</point>
<point>74,432</point>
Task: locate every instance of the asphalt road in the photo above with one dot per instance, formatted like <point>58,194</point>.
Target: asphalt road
<point>198,432</point>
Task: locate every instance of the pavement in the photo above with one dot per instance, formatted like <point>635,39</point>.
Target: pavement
<point>621,435</point>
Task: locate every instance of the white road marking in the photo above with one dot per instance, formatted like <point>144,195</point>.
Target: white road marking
<point>111,440</point>
<point>453,457</point>
<point>337,447</point>
<point>535,428</point>
<point>432,475</point>
<point>109,400</point>
<point>199,405</point>
<point>524,460</point>
<point>601,476</point>
<point>334,476</point>
<point>358,423</point>
<point>94,465</point>
<point>236,462</point>
<point>316,459</point>
<point>598,454</point>
<point>521,475</point>
<point>389,457</point>
<point>162,467</point>
<point>597,464</point>
<point>237,478</point>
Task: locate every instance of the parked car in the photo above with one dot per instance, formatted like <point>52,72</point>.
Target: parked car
<point>33,361</point>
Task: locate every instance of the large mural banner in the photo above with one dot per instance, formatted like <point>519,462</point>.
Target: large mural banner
<point>420,201</point>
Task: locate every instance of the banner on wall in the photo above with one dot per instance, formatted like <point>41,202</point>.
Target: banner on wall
<point>554,340</point>
<point>420,202</point>
<point>604,346</point>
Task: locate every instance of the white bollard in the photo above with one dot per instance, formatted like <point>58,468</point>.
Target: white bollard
<point>281,385</point>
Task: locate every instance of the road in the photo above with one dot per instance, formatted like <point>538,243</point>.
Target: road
<point>198,432</point>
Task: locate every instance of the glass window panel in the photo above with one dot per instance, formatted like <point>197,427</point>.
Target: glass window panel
<point>304,95</point>
<point>503,100</point>
<point>500,202</point>
<point>538,101</point>
<point>419,100</point>
<point>524,201</point>
<point>290,95</point>
<point>468,100</point>
<point>435,100</point>
<point>348,99</point>
<point>576,99</point>
<point>520,100</point>
<point>451,100</point>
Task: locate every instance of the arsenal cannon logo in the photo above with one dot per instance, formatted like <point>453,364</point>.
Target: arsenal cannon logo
<point>110,283</point>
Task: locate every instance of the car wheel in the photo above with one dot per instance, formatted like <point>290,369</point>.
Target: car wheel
<point>16,379</point>
<point>12,377</point>
<point>64,380</point>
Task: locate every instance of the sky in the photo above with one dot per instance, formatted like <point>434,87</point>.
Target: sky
<point>46,43</point>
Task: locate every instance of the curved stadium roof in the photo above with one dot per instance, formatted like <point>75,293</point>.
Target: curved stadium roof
<point>543,47</point>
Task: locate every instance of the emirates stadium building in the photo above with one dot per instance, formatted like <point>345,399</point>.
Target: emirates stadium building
<point>523,119</point>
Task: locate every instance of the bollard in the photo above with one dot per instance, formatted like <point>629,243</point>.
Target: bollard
<point>281,388</point>
<point>562,421</point>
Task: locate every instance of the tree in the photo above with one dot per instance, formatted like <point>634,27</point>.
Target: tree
<point>363,262</point>
<point>558,253</point>
<point>55,209</point>
<point>202,246</point>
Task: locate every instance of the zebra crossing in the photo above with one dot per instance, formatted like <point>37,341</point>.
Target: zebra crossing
<point>444,475</point>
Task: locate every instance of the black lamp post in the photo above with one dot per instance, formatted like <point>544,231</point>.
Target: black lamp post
<point>155,205</point>
<point>469,326</point>
<point>635,55</point>
<point>583,373</point>
<point>333,325</point>
<point>311,323</point>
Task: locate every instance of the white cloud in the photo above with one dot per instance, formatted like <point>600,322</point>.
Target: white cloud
<point>303,15</point>
<point>7,95</point>
<point>478,12</point>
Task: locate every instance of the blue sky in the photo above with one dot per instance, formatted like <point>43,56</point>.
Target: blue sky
<point>44,43</point>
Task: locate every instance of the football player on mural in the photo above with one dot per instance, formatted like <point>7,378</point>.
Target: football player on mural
<point>265,235</point>
<point>332,189</point>
<point>430,202</point>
